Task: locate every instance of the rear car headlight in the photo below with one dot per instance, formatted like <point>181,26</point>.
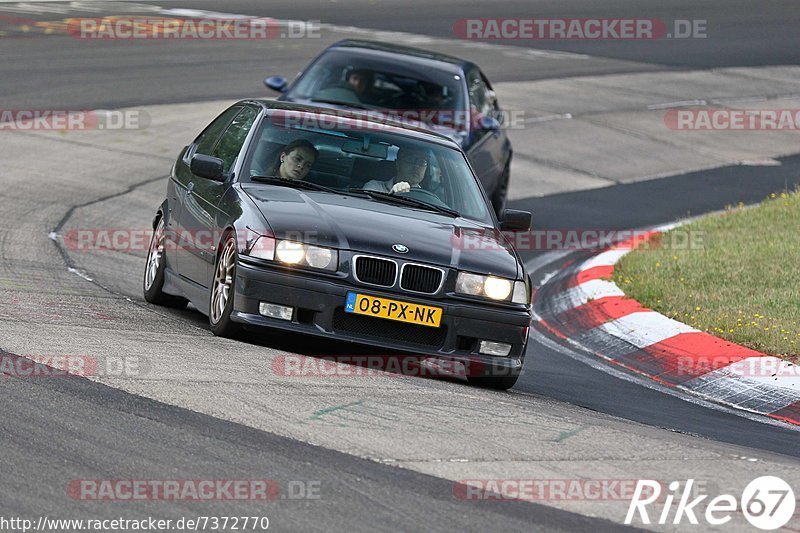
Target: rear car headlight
<point>492,287</point>
<point>298,253</point>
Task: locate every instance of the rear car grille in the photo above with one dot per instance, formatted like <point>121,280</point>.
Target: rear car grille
<point>418,278</point>
<point>380,328</point>
<point>376,271</point>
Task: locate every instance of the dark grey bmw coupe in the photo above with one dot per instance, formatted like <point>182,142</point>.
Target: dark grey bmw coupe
<point>330,224</point>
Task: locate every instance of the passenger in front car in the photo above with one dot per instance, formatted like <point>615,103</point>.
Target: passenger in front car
<point>295,160</point>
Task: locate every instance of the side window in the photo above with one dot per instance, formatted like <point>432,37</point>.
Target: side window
<point>208,139</point>
<point>481,96</point>
<point>480,100</point>
<point>232,140</point>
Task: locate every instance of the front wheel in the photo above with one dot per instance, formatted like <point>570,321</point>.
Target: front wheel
<point>222,290</point>
<point>153,282</point>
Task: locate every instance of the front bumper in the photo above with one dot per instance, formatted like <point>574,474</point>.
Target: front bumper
<point>319,310</point>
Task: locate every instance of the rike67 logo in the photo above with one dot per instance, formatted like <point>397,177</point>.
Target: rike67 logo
<point>767,502</point>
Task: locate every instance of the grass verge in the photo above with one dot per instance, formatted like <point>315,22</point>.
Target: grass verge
<point>735,275</point>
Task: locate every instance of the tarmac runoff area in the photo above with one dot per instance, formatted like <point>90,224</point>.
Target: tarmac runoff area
<point>89,303</point>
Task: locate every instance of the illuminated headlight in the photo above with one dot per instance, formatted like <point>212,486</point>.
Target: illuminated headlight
<point>297,253</point>
<point>290,252</point>
<point>497,288</point>
<point>491,287</point>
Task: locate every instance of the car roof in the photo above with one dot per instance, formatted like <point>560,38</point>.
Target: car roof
<point>406,54</point>
<point>356,116</point>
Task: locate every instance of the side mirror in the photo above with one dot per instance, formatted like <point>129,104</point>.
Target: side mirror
<point>514,220</point>
<point>489,123</point>
<point>276,83</point>
<point>207,167</point>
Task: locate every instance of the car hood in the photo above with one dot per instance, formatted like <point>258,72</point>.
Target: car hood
<point>368,226</point>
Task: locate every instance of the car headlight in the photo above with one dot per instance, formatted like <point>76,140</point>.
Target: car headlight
<point>497,288</point>
<point>492,287</point>
<point>298,253</point>
<point>290,252</point>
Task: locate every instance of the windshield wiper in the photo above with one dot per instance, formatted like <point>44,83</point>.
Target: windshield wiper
<point>297,184</point>
<point>404,200</point>
<point>338,102</point>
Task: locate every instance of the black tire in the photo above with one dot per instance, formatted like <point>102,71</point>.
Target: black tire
<point>223,287</point>
<point>501,192</point>
<point>493,382</point>
<point>153,279</point>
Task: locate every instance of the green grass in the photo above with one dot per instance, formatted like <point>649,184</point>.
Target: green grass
<point>737,278</point>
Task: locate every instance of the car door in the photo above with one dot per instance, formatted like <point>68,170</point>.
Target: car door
<point>184,183</point>
<point>487,148</point>
<point>223,139</point>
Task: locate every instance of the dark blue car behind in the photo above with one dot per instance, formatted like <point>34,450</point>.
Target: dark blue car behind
<point>447,94</point>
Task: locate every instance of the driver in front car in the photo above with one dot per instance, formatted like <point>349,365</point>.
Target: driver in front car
<point>411,165</point>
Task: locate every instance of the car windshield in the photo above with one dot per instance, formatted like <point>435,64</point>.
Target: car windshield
<point>415,93</point>
<point>348,154</point>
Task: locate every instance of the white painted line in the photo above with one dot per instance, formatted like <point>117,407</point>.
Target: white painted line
<point>534,54</point>
<point>644,328</point>
<point>79,273</point>
<point>760,162</point>
<point>548,118</point>
<point>667,227</point>
<point>739,100</point>
<point>670,105</point>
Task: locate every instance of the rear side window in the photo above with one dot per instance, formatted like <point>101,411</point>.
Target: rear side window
<point>230,144</point>
<point>481,97</point>
<point>208,139</point>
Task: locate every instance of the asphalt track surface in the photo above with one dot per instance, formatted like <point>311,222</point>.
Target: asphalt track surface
<point>104,430</point>
<point>49,413</point>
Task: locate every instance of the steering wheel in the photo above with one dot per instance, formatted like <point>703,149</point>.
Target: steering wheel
<point>424,195</point>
